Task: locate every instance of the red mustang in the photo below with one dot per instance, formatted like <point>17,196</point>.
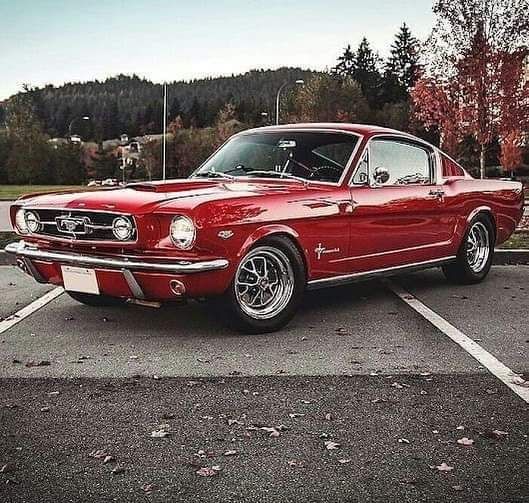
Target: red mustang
<point>273,212</point>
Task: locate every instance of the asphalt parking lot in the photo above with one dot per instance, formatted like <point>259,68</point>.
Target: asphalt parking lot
<point>358,367</point>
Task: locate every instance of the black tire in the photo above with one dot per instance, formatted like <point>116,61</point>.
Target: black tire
<point>96,300</point>
<point>233,302</point>
<point>462,271</point>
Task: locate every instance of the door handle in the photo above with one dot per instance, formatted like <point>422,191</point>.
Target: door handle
<point>439,193</point>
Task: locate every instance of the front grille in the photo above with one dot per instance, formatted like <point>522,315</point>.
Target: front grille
<point>79,224</point>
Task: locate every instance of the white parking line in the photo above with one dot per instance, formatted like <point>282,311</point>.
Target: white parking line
<point>490,362</point>
<point>29,309</point>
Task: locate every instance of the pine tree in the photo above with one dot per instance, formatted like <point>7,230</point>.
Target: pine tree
<point>402,68</point>
<point>366,73</point>
<point>346,63</point>
<point>175,109</point>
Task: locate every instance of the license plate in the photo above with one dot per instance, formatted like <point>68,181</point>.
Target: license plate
<point>79,279</point>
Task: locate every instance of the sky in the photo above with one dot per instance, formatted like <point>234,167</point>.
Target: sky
<point>55,41</point>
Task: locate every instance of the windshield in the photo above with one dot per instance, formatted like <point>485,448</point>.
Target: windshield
<point>312,156</point>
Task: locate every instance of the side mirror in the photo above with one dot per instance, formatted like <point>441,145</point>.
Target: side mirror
<point>381,175</point>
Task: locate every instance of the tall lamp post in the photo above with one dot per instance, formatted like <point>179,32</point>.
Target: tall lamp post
<point>298,82</point>
<point>84,118</point>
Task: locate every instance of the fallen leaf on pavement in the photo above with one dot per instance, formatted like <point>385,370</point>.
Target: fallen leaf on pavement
<point>148,488</point>
<point>271,430</point>
<point>160,434</point>
<point>331,446</point>
<point>205,471</point>
<point>465,441</point>
<point>98,454</point>
<point>7,468</point>
<point>41,363</point>
<point>443,467</point>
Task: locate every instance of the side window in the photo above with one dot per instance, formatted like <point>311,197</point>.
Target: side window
<point>450,168</point>
<point>397,163</point>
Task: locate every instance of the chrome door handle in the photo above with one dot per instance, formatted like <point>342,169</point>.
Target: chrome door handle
<point>440,193</point>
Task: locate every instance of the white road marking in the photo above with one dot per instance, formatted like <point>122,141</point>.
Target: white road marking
<point>490,362</point>
<point>30,309</point>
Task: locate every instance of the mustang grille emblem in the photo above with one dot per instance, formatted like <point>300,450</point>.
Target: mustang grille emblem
<point>71,225</point>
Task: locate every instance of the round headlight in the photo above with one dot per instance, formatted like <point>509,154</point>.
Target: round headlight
<point>20,222</point>
<point>32,221</point>
<point>122,228</point>
<point>182,232</point>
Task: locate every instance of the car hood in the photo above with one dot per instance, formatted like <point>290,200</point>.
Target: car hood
<point>146,197</point>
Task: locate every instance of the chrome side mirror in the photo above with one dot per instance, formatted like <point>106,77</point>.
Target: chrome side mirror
<point>381,175</point>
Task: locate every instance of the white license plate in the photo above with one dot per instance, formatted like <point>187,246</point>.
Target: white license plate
<point>79,279</point>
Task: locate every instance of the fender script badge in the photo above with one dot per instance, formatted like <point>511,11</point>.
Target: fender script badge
<point>321,250</point>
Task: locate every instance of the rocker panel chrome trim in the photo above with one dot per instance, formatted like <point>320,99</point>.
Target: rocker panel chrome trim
<point>387,271</point>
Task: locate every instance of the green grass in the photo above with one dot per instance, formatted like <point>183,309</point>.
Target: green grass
<point>6,238</point>
<point>11,192</point>
<point>517,241</point>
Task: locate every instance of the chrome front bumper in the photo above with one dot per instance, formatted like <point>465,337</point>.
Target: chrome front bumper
<point>27,251</point>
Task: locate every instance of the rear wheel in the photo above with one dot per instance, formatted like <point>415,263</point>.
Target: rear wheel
<point>267,287</point>
<point>474,258</point>
<point>96,300</point>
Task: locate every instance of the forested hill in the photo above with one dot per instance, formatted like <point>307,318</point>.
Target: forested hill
<point>132,105</point>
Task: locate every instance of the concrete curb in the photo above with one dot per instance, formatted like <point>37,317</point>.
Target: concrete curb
<point>501,257</point>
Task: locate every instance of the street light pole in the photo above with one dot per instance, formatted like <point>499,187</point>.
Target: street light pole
<point>164,129</point>
<point>299,82</point>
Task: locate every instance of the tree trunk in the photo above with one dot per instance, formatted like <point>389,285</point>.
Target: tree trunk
<point>482,161</point>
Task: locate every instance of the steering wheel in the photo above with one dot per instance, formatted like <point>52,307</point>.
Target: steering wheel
<point>330,169</point>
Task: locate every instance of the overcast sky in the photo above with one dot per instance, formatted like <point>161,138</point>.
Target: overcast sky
<point>55,41</point>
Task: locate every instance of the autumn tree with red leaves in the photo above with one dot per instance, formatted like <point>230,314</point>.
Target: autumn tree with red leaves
<point>473,83</point>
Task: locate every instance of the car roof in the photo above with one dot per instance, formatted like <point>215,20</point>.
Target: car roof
<point>363,129</point>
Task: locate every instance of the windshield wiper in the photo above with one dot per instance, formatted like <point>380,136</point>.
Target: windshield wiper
<point>278,174</point>
<point>213,174</point>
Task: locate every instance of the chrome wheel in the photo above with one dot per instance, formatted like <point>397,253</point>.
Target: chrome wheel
<point>264,282</point>
<point>478,247</point>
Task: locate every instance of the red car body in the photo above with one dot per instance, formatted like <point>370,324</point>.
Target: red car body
<point>343,231</point>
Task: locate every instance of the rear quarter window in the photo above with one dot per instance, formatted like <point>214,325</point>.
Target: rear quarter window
<point>450,168</point>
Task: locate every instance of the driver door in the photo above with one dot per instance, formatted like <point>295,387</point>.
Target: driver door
<point>400,214</point>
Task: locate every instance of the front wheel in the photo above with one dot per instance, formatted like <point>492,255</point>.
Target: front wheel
<point>267,287</point>
<point>474,258</point>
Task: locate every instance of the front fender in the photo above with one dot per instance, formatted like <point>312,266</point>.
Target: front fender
<point>269,230</point>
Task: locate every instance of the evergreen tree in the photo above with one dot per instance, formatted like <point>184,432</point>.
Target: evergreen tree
<point>175,110</point>
<point>402,68</point>
<point>346,63</point>
<point>366,73</point>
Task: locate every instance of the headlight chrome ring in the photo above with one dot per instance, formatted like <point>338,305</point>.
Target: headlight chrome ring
<point>182,232</point>
<point>32,221</point>
<point>122,228</point>
<point>20,221</point>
